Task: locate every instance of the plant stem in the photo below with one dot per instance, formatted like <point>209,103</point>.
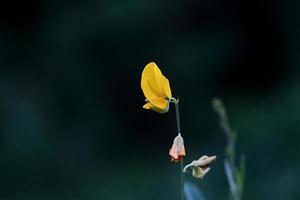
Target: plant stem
<point>179,132</point>
<point>181,180</point>
<point>177,116</point>
<point>235,174</point>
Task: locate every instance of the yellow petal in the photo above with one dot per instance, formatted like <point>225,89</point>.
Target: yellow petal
<point>166,87</point>
<point>148,106</point>
<point>159,103</point>
<point>161,109</point>
<point>163,84</point>
<point>149,83</point>
<point>154,84</point>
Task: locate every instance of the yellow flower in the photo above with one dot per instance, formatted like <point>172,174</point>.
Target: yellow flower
<point>200,167</point>
<point>156,89</point>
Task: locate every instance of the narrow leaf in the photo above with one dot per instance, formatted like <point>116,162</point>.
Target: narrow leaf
<point>192,192</point>
<point>230,177</point>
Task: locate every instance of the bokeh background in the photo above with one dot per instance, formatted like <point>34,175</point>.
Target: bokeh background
<point>72,125</point>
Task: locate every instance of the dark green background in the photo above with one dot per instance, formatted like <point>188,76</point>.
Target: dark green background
<point>71,119</point>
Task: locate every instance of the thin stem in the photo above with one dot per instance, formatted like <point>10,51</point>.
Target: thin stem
<point>179,132</point>
<point>177,115</point>
<point>181,180</point>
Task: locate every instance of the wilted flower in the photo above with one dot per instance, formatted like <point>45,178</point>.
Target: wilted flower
<point>156,89</point>
<point>200,167</point>
<point>177,150</point>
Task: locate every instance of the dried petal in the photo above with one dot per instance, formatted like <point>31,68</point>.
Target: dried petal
<point>177,150</point>
<point>200,167</point>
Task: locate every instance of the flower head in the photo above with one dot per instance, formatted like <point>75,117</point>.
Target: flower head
<point>200,167</point>
<point>156,89</point>
<point>177,150</point>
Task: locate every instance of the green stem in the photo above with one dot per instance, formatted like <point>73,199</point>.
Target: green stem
<point>181,180</point>
<point>179,132</point>
<point>177,116</point>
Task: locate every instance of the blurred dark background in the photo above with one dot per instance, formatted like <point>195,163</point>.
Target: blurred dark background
<point>71,119</point>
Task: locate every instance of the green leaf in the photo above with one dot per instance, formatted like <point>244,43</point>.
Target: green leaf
<point>230,176</point>
<point>241,176</point>
<point>192,192</point>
